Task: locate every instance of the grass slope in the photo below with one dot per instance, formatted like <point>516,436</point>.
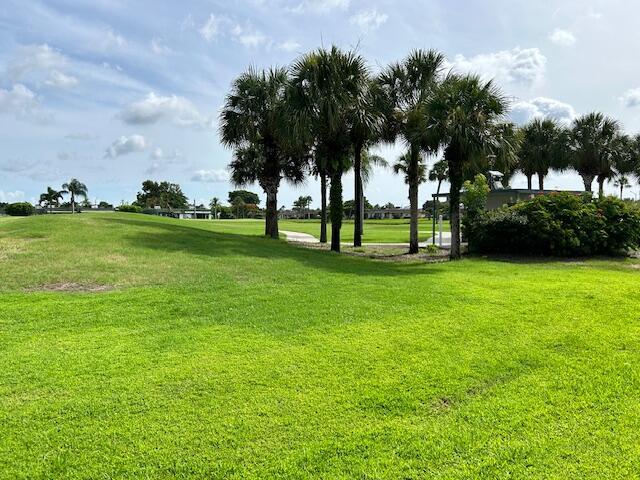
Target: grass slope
<point>228,356</point>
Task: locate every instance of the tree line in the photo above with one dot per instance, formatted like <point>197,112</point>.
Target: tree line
<point>321,115</point>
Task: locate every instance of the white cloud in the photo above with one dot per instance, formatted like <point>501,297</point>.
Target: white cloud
<point>159,154</point>
<point>211,28</point>
<point>289,46</point>
<point>159,48</point>
<point>60,80</point>
<point>154,107</point>
<point>24,104</point>
<point>125,145</point>
<point>11,197</point>
<point>320,6</point>
<point>542,107</point>
<point>368,20</point>
<point>210,176</point>
<point>112,39</point>
<point>631,98</point>
<point>562,37</point>
<point>522,66</point>
<point>249,37</point>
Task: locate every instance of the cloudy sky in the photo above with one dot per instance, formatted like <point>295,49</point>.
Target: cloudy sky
<point>116,91</point>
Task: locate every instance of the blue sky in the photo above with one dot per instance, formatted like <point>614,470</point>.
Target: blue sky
<point>116,91</point>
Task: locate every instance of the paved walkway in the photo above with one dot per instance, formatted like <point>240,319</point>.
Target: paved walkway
<point>299,237</point>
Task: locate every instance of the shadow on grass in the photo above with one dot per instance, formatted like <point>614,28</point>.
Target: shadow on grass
<point>170,236</point>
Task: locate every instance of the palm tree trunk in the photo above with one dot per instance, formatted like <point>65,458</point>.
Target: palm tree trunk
<point>621,188</point>
<point>357,224</point>
<point>529,182</point>
<point>336,208</point>
<point>587,179</point>
<point>73,204</point>
<point>323,208</point>
<point>455,177</point>
<point>413,200</point>
<point>601,181</point>
<point>271,220</point>
<point>541,182</point>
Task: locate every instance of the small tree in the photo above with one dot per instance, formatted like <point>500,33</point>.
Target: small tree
<point>474,196</point>
<point>76,189</point>
<point>215,205</point>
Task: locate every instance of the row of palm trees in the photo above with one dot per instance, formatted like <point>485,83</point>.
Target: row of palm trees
<point>74,187</point>
<point>322,115</point>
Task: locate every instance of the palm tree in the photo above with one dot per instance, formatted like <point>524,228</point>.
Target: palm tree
<point>439,173</point>
<point>543,148</point>
<point>590,142</point>
<point>214,205</point>
<point>622,182</point>
<point>76,189</point>
<point>366,124</point>
<point>465,118</point>
<point>404,166</point>
<point>254,122</point>
<point>368,162</point>
<point>51,198</point>
<point>408,87</point>
<point>320,170</point>
<point>327,87</point>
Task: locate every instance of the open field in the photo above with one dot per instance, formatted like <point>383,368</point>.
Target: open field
<point>375,231</point>
<point>139,347</point>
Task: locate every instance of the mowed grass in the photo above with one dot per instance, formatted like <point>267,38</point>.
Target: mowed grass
<point>217,355</point>
<point>375,231</point>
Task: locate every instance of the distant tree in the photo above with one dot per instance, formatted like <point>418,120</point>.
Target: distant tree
<point>622,182</point>
<point>239,206</point>
<point>51,198</point>
<point>104,204</point>
<point>163,194</point>
<point>405,166</point>
<point>246,196</point>
<point>76,189</point>
<point>302,204</point>
<point>439,173</point>
<point>389,205</point>
<point>215,206</point>
<point>543,147</point>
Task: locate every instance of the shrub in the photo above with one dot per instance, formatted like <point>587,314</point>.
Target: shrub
<point>21,209</point>
<point>130,209</point>
<point>559,224</point>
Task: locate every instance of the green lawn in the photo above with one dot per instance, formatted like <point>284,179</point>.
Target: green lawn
<point>375,231</point>
<point>199,354</point>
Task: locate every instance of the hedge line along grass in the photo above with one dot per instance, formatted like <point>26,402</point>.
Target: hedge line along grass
<point>228,356</point>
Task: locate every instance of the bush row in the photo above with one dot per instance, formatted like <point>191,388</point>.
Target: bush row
<point>130,208</point>
<point>20,209</point>
<point>560,224</point>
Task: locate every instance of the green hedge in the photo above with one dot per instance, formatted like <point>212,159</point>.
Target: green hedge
<point>20,209</point>
<point>130,208</point>
<point>560,224</point>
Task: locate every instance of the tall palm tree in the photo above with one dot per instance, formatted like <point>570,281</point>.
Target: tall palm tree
<point>254,122</point>
<point>368,163</point>
<point>76,189</point>
<point>319,169</point>
<point>622,182</point>
<point>465,118</point>
<point>51,198</point>
<point>366,124</point>
<point>327,87</point>
<point>408,87</point>
<point>543,148</point>
<point>590,142</point>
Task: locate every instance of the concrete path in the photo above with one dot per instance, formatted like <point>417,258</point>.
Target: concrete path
<point>299,237</point>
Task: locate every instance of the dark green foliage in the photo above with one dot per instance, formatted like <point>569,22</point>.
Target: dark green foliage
<point>130,208</point>
<point>163,194</point>
<point>560,225</point>
<point>246,196</point>
<point>20,209</point>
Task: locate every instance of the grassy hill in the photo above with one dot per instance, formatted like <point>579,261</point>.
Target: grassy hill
<point>139,347</point>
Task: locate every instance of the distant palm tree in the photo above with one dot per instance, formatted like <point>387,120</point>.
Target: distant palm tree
<point>439,173</point>
<point>622,182</point>
<point>368,162</point>
<point>76,189</point>
<point>404,166</point>
<point>255,123</point>
<point>214,205</point>
<point>465,118</point>
<point>543,147</point>
<point>327,87</point>
<point>590,142</point>
<point>51,198</point>
<point>408,87</point>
